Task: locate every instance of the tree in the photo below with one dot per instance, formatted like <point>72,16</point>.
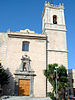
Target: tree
<point>4,77</point>
<point>62,79</point>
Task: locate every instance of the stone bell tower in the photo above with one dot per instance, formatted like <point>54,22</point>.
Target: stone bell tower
<point>53,25</point>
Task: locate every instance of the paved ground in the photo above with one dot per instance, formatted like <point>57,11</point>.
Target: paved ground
<point>23,98</point>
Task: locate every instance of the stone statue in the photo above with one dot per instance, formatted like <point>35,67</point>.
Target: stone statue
<point>25,63</point>
<point>24,67</point>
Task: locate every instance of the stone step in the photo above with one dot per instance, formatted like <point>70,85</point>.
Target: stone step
<point>24,98</point>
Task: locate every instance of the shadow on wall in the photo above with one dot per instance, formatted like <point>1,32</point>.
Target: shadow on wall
<point>9,89</point>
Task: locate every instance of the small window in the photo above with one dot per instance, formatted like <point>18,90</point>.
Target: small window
<point>25,46</point>
<point>54,19</point>
<point>72,80</point>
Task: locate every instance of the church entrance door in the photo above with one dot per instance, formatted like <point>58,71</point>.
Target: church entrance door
<point>24,88</point>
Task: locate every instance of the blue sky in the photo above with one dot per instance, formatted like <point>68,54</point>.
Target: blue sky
<point>22,14</point>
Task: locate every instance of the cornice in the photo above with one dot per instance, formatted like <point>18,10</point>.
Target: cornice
<point>56,30</point>
<point>64,51</point>
<point>41,37</point>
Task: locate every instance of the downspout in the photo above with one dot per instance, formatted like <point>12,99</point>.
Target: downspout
<point>46,60</point>
<point>46,56</point>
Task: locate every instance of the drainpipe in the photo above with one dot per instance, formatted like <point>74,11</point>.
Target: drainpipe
<point>46,60</point>
<point>46,57</point>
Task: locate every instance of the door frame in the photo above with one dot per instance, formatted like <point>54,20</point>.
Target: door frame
<point>25,76</point>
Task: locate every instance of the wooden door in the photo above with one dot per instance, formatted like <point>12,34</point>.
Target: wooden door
<point>24,88</point>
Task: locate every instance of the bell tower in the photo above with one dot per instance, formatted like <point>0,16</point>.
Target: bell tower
<point>53,25</point>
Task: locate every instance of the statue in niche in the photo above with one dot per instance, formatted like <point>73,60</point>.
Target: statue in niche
<point>24,66</point>
<point>25,63</point>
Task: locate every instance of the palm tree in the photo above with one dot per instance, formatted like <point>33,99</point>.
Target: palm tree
<point>62,78</point>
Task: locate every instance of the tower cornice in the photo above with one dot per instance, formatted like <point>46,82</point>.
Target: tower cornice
<point>60,6</point>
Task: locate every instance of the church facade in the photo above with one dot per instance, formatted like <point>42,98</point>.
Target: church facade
<point>25,54</point>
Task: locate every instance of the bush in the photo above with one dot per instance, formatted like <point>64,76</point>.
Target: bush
<point>51,95</point>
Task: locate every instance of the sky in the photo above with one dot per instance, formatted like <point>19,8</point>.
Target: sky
<point>27,14</point>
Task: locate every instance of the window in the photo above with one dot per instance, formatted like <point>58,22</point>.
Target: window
<point>25,46</point>
<point>54,19</point>
<point>72,80</point>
